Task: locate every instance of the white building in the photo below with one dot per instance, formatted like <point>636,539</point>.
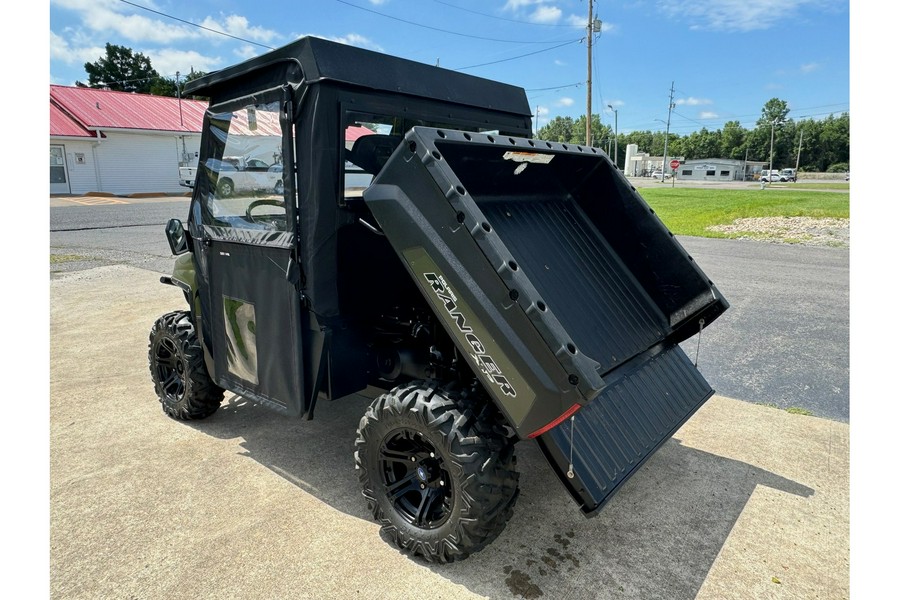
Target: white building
<point>120,143</point>
<point>719,169</point>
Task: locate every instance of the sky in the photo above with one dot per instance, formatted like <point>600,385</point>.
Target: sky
<point>726,58</point>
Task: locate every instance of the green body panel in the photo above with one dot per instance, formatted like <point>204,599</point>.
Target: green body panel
<point>481,350</point>
<point>185,275</point>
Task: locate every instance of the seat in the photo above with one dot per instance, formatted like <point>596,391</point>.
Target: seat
<point>371,152</point>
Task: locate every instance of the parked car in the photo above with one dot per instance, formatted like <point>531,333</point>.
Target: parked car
<point>782,176</point>
<point>659,175</point>
<point>788,175</point>
<point>230,179</point>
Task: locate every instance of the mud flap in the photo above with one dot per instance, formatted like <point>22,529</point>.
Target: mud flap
<point>647,401</point>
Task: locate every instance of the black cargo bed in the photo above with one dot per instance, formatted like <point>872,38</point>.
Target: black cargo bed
<point>609,316</point>
<point>544,257</point>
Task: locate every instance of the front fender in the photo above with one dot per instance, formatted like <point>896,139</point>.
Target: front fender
<point>184,276</point>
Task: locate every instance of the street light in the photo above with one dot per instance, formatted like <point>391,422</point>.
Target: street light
<point>616,112</point>
<point>775,122</point>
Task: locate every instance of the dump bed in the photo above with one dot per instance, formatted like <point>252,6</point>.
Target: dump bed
<point>561,288</point>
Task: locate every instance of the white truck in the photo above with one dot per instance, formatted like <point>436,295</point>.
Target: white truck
<point>239,174</point>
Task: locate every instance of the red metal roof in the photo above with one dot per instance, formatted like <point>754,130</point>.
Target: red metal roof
<point>106,109</point>
<point>63,124</point>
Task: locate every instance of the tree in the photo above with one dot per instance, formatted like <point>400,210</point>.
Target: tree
<point>559,129</point>
<point>733,136</point>
<point>774,110</point>
<point>121,69</point>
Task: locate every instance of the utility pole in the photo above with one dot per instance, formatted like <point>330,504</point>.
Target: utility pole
<point>616,112</point>
<point>772,148</point>
<point>590,38</point>
<point>178,93</point>
<point>666,142</point>
<point>799,148</point>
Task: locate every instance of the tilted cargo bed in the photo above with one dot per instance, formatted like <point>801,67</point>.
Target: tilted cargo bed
<point>560,286</point>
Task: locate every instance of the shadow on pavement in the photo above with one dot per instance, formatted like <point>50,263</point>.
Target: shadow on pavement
<point>658,538</point>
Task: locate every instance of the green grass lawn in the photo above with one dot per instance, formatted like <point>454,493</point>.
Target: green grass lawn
<point>689,211</point>
<point>815,185</point>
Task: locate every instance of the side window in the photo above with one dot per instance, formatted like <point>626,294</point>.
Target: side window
<point>369,141</point>
<point>243,171</point>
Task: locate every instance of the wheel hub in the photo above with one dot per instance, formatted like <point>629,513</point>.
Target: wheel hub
<point>416,480</point>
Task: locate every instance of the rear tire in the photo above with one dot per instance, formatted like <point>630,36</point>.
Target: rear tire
<point>436,471</point>
<point>178,370</point>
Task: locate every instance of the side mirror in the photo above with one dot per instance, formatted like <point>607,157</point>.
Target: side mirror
<point>177,237</point>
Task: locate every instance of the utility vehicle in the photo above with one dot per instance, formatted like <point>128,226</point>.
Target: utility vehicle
<point>486,288</point>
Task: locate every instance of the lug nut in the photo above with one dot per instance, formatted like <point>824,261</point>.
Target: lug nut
<point>422,485</point>
<point>432,455</point>
<point>442,482</point>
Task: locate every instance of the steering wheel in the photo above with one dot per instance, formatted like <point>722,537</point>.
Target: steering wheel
<point>264,202</point>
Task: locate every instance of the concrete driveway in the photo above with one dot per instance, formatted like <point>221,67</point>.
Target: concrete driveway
<point>745,501</point>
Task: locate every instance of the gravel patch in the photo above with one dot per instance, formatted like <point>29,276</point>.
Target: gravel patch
<point>806,231</point>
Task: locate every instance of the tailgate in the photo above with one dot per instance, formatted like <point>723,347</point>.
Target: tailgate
<point>615,434</point>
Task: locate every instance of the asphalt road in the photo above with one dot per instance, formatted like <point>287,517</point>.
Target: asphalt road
<point>784,341</point>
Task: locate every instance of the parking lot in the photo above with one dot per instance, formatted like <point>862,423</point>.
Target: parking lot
<point>744,501</point>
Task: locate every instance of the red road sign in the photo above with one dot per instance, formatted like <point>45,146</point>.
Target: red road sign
<point>674,164</point>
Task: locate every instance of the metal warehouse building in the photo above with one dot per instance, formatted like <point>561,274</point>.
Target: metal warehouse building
<point>719,169</point>
<point>118,142</point>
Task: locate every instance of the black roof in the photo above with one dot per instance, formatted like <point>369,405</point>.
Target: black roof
<point>326,61</point>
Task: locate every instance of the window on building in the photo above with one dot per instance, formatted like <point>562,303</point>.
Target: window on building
<point>711,173</point>
<point>724,173</point>
<point>687,172</point>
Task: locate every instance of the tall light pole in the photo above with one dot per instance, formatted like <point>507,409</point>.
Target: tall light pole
<point>616,112</point>
<point>666,142</point>
<point>775,121</point>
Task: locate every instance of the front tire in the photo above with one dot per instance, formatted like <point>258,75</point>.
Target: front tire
<point>436,471</point>
<point>178,370</point>
<point>225,188</point>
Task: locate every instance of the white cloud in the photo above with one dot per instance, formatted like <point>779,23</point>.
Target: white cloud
<point>169,60</point>
<point>105,16</point>
<point>514,5</point>
<point>559,63</point>
<point>691,101</point>
<point>360,41</point>
<point>617,103</point>
<point>706,114</point>
<point>63,51</point>
<point>114,17</point>
<point>565,101</point>
<point>738,15</point>
<point>577,21</point>
<point>239,26</point>
<point>810,67</point>
<point>545,14</point>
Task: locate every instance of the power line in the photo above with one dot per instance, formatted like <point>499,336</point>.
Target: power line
<point>516,57</point>
<point>162,14</point>
<point>466,35</point>
<point>556,87</point>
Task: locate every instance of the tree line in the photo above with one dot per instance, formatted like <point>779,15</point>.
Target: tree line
<point>824,144</point>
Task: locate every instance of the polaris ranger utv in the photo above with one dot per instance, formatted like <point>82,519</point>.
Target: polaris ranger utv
<point>484,287</point>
